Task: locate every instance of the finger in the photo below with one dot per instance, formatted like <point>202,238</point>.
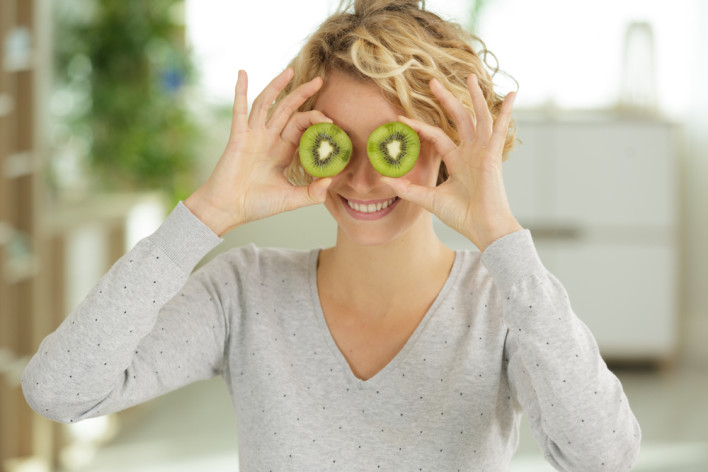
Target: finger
<point>501,127</point>
<point>239,120</point>
<point>308,195</point>
<point>440,141</point>
<point>418,194</point>
<point>462,117</point>
<point>482,114</point>
<point>265,99</point>
<point>292,102</point>
<point>299,123</point>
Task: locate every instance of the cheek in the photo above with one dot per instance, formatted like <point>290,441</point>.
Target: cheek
<point>338,182</point>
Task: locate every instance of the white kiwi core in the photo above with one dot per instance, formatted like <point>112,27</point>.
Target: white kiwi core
<point>394,149</point>
<point>325,150</point>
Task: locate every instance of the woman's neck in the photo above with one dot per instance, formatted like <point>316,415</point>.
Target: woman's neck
<point>414,263</point>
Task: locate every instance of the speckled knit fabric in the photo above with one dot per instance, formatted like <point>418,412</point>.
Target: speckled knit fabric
<point>499,340</point>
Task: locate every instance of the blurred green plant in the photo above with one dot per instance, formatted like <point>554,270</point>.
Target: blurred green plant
<point>129,61</point>
<point>475,8</point>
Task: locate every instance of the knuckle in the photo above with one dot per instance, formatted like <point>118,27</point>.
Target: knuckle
<point>288,109</point>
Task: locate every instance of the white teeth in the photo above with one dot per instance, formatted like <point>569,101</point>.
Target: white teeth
<point>371,207</point>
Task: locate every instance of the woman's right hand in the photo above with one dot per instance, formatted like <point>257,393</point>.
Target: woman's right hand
<point>249,181</point>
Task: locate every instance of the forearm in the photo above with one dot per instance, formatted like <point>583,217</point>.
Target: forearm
<point>80,365</point>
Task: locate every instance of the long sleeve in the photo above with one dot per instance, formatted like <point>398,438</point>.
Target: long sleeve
<point>139,333</point>
<point>578,411</point>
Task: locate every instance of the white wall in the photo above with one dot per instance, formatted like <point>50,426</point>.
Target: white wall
<point>261,37</point>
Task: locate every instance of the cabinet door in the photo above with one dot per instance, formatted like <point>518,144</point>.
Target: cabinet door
<point>624,293</point>
<point>599,198</point>
<point>530,173</point>
<point>614,174</point>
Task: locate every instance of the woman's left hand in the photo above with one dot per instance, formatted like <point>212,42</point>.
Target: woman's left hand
<point>473,200</point>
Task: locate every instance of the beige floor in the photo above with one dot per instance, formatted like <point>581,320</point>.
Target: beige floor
<point>193,429</point>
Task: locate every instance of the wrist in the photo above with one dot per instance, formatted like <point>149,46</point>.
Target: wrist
<point>484,238</point>
<point>218,220</point>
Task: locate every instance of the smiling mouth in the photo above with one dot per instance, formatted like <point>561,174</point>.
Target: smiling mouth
<point>371,207</point>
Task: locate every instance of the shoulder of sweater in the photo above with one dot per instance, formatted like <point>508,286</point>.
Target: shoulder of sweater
<point>253,257</point>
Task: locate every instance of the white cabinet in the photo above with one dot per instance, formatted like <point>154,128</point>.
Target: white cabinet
<point>600,197</point>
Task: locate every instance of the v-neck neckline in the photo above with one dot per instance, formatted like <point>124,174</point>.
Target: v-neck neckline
<point>391,366</point>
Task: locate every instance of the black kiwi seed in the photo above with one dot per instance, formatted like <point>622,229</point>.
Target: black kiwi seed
<point>393,148</point>
<point>324,150</point>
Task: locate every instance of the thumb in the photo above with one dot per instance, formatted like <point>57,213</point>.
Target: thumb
<point>317,190</point>
<point>418,194</point>
<point>308,195</point>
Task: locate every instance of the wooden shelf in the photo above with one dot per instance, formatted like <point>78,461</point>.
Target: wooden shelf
<point>19,164</point>
<point>5,233</point>
<point>20,269</point>
<point>7,104</point>
<point>7,357</point>
<point>18,49</point>
<point>11,367</point>
<point>25,438</point>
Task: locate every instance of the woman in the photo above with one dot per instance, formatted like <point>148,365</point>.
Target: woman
<point>389,350</point>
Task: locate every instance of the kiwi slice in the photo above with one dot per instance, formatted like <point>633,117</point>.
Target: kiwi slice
<point>324,150</point>
<point>393,148</point>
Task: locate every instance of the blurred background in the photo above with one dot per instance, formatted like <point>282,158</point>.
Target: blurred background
<point>112,111</point>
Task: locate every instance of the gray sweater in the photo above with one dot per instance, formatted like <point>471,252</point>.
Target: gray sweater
<point>500,339</point>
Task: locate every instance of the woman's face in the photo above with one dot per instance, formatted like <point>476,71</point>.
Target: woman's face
<point>366,209</point>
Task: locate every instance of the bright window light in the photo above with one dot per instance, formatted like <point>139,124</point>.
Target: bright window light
<point>261,38</point>
<point>563,54</point>
<point>570,54</point>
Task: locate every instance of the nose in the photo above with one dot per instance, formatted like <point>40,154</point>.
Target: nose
<point>359,173</point>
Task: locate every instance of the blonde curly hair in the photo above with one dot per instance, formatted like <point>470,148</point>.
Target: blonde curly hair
<point>399,46</point>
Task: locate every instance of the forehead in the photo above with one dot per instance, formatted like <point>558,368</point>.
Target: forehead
<point>355,105</point>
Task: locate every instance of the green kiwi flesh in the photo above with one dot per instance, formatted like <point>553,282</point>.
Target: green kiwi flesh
<point>325,150</point>
<point>393,149</point>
